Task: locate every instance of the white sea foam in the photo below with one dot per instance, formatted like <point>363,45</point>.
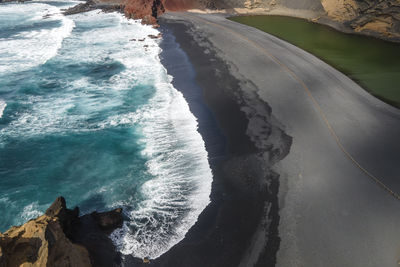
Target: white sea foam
<point>44,117</point>
<point>177,159</point>
<point>31,48</point>
<point>49,114</point>
<point>30,211</point>
<point>3,106</point>
<point>182,177</point>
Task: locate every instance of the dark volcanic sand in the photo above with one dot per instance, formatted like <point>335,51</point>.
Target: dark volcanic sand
<point>240,226</point>
<point>331,212</point>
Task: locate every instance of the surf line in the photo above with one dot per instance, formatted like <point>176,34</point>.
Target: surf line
<point>316,105</point>
<point>3,106</point>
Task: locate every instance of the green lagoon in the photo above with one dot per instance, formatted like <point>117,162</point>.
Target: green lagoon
<point>372,63</point>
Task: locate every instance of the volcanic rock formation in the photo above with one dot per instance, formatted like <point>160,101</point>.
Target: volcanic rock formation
<point>61,238</point>
<point>380,18</point>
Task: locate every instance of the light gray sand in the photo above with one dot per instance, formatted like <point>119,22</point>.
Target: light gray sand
<point>332,213</point>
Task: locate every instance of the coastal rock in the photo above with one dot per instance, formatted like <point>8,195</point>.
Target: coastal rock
<point>90,5</point>
<point>108,220</point>
<point>42,242</point>
<point>82,7</point>
<point>147,10</point>
<point>377,18</point>
<point>152,36</point>
<point>61,238</point>
<point>68,219</point>
<point>382,17</point>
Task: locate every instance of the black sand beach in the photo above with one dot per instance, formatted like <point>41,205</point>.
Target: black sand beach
<point>242,218</point>
<point>331,210</point>
<point>305,162</point>
<point>315,206</point>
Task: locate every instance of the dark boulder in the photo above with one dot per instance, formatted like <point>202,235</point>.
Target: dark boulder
<point>108,221</point>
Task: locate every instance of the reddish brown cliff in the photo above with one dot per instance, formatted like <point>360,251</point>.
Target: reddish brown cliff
<point>150,10</point>
<point>147,10</point>
<point>179,5</point>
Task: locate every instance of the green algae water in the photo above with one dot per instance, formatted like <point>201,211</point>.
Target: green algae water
<point>372,63</point>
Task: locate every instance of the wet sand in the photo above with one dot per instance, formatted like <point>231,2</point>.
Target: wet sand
<point>240,137</point>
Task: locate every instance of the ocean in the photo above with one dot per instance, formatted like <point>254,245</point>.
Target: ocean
<point>89,113</point>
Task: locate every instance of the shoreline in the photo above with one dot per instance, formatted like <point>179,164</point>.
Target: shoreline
<point>349,70</point>
<point>312,16</point>
<point>249,150</point>
<point>225,94</point>
<point>327,205</point>
<point>242,219</point>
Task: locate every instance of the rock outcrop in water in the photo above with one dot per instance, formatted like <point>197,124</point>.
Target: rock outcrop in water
<point>61,238</point>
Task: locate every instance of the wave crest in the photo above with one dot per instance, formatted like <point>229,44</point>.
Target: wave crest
<point>3,106</point>
<point>31,48</point>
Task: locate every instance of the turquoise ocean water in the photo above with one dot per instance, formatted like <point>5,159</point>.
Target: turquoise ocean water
<point>90,114</point>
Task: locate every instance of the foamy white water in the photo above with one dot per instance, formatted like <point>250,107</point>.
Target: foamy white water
<point>31,211</point>
<point>181,186</point>
<point>3,106</point>
<point>83,90</point>
<point>29,48</point>
<point>178,161</point>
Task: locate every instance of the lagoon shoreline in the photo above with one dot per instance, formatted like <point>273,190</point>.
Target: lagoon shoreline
<point>328,205</point>
<point>262,196</point>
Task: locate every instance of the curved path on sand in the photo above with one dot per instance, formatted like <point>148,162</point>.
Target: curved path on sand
<point>340,183</point>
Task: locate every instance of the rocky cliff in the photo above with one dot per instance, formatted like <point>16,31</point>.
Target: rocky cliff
<point>379,18</point>
<point>61,238</point>
<point>146,10</point>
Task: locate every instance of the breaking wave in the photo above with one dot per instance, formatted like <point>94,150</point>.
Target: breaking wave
<point>103,115</point>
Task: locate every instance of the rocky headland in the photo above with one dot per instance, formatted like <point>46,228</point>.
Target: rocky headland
<point>60,237</point>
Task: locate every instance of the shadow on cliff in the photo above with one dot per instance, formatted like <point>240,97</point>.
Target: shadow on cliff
<point>17,253</point>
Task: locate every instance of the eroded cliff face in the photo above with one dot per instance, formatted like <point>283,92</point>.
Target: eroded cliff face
<point>40,242</point>
<point>366,15</point>
<point>379,18</point>
<point>150,10</point>
<point>146,10</point>
<point>61,238</point>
